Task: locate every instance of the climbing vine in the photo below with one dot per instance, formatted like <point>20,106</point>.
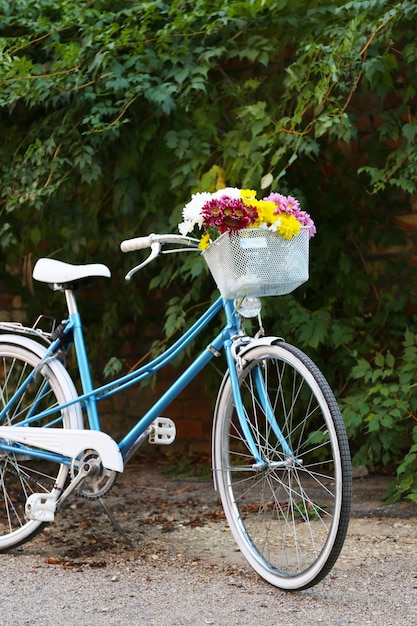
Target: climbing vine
<point>113,113</point>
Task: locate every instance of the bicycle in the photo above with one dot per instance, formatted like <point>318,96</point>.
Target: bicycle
<point>280,454</point>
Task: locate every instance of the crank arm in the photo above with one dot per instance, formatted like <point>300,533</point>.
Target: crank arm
<point>83,472</point>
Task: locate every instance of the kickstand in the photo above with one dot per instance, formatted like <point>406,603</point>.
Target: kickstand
<point>116,523</point>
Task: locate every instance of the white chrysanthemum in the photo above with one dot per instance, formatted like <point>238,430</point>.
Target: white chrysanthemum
<point>191,213</point>
<point>231,192</point>
<point>185,227</point>
<point>192,210</point>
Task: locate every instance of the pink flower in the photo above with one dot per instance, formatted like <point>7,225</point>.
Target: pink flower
<point>285,204</point>
<point>305,220</point>
<point>291,206</point>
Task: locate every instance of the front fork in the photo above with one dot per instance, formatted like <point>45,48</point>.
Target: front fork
<point>260,398</point>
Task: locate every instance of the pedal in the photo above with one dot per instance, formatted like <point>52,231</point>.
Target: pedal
<point>40,507</point>
<point>162,431</point>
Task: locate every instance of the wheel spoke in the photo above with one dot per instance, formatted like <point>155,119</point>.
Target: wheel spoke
<point>289,513</point>
<point>20,474</point>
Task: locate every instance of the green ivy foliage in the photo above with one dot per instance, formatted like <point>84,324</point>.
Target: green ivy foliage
<point>382,407</point>
<point>113,113</point>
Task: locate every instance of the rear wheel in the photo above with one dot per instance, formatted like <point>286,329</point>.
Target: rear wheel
<point>289,509</point>
<point>20,474</point>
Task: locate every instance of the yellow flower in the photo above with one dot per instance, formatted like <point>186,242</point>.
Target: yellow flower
<point>289,226</point>
<point>266,211</point>
<point>247,195</point>
<point>204,242</point>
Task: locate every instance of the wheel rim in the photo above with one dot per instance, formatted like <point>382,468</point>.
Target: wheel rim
<point>285,516</point>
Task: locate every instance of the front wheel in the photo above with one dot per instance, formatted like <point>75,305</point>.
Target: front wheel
<point>289,508</point>
<point>20,474</point>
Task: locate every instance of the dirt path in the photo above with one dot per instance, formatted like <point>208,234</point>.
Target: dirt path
<point>186,571</point>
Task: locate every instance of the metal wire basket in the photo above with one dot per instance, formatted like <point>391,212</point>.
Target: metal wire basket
<point>255,262</point>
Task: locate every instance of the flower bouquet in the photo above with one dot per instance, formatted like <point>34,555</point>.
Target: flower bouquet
<point>252,247</point>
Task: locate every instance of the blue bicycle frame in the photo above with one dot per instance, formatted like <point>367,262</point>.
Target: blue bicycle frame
<point>90,395</point>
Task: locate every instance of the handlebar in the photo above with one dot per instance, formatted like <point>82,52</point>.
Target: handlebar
<point>139,243</point>
<point>155,243</point>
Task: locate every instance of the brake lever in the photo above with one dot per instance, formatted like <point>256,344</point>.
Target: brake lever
<point>155,251</point>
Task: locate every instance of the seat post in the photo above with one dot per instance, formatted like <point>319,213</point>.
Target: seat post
<point>71,301</point>
<point>82,360</point>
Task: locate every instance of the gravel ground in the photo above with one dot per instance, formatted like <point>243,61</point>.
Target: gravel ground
<point>184,569</point>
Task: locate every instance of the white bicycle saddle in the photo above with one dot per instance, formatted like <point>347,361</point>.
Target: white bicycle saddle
<point>59,273</point>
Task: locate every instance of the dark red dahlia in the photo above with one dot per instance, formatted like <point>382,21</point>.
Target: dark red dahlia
<point>228,214</point>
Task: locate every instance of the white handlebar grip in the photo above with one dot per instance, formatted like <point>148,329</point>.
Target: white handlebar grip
<point>138,243</point>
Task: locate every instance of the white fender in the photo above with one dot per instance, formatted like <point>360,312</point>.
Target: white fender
<point>262,341</point>
<point>57,369</point>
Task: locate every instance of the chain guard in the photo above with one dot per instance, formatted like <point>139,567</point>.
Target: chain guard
<point>97,484</point>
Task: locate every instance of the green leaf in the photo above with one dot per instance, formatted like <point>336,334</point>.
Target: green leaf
<point>112,367</point>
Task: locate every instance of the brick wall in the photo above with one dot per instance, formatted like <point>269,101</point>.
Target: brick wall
<point>11,308</point>
<point>192,412</point>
